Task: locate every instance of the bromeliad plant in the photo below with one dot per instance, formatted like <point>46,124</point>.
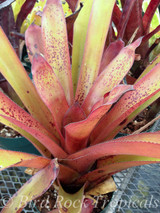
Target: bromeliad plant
<point>74,112</point>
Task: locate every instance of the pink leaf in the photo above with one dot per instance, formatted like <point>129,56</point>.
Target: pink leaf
<point>145,144</point>
<point>145,88</point>
<point>33,40</point>
<point>49,89</point>
<point>111,76</point>
<point>77,133</point>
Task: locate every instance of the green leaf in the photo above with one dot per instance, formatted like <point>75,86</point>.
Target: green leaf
<point>112,75</point>
<point>100,18</point>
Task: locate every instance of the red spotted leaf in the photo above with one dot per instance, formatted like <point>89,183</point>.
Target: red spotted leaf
<point>49,89</point>
<point>112,75</point>
<point>56,52</point>
<point>145,89</point>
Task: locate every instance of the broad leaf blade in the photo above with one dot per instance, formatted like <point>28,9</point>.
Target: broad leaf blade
<point>33,188</point>
<point>49,89</point>
<point>79,38</point>
<point>115,164</point>
<point>47,142</point>
<point>54,36</point>
<point>13,71</point>
<point>145,144</point>
<point>100,17</point>
<point>33,40</point>
<point>145,90</point>
<point>112,75</point>
<point>20,159</point>
<point>10,109</point>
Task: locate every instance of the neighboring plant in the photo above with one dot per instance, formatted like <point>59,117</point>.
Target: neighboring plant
<point>131,22</point>
<point>73,116</point>
<point>35,14</point>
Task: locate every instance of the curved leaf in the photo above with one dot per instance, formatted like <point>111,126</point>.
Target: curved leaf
<point>115,164</point>
<point>33,188</point>
<point>49,89</point>
<point>145,144</point>
<point>48,143</point>
<point>112,75</point>
<point>56,52</point>
<point>11,109</point>
<point>21,159</point>
<point>145,89</point>
<point>100,18</point>
<point>13,71</point>
<point>77,133</point>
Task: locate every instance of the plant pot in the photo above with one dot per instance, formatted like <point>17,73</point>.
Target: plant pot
<point>18,144</point>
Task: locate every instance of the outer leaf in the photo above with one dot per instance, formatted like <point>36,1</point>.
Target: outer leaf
<point>111,76</point>
<point>70,203</point>
<point>54,35</point>
<point>38,163</point>
<point>16,158</point>
<point>115,164</point>
<point>100,18</point>
<point>44,140</point>
<point>80,32</point>
<point>77,133</point>
<point>25,10</point>
<point>33,40</point>
<point>110,53</point>
<point>10,109</point>
<point>33,188</point>
<point>145,144</point>
<point>49,89</point>
<point>42,149</point>
<point>13,71</point>
<point>145,89</point>
<point>147,18</point>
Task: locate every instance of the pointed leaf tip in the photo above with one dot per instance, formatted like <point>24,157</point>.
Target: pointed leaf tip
<point>136,43</point>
